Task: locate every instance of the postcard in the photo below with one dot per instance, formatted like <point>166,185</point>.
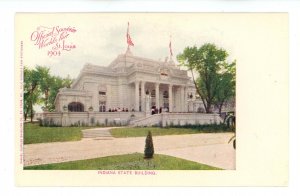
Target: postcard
<point>151,99</point>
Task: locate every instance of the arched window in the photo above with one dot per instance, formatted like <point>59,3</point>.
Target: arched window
<point>75,107</point>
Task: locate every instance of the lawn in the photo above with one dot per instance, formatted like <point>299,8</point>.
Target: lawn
<point>126,162</point>
<point>33,133</point>
<point>158,131</point>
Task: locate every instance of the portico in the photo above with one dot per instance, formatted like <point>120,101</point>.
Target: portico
<point>162,96</point>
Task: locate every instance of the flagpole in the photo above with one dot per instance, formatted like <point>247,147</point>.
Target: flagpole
<point>127,36</point>
<point>170,48</point>
<point>129,41</point>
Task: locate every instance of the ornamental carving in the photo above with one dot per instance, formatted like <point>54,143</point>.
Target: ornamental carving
<point>164,74</point>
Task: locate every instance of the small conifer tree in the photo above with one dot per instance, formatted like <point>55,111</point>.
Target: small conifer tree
<point>149,148</point>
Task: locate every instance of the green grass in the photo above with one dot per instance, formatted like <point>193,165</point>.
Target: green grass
<point>126,162</point>
<point>33,133</point>
<point>157,131</point>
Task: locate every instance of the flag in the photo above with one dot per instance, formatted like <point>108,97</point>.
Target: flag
<point>129,41</point>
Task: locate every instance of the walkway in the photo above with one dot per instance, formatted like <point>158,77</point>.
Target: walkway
<point>211,148</point>
<point>100,133</point>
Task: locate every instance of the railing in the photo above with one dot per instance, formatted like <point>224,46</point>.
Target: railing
<point>162,119</point>
<point>147,121</point>
<point>167,119</point>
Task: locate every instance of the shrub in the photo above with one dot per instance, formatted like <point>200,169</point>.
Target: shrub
<point>40,122</point>
<point>206,127</point>
<point>149,148</point>
<point>51,123</point>
<point>92,120</point>
<point>230,121</point>
<point>171,124</point>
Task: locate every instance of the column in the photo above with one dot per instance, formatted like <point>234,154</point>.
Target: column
<point>182,104</point>
<point>143,96</point>
<point>185,105</point>
<point>137,101</point>
<point>157,95</point>
<point>170,98</point>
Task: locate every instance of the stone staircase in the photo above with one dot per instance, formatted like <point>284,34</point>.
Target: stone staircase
<point>178,119</point>
<point>147,121</point>
<point>99,133</point>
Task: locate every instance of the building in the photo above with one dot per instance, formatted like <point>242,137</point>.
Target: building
<point>129,91</point>
<point>129,82</point>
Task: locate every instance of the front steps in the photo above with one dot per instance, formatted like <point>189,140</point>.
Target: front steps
<point>177,119</point>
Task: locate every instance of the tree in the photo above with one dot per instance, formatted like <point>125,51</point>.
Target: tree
<point>45,82</point>
<point>210,63</point>
<point>40,87</point>
<point>226,87</point>
<point>67,82</point>
<point>31,92</point>
<point>56,84</point>
<point>149,148</point>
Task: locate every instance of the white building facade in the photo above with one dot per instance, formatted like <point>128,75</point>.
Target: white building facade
<point>130,89</point>
<point>126,83</point>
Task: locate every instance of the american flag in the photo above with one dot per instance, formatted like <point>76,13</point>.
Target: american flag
<point>129,41</point>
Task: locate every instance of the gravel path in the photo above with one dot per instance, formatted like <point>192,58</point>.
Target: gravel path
<point>211,148</point>
<point>104,133</point>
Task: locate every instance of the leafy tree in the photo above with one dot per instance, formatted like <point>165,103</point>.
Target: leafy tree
<point>45,82</point>
<point>226,87</point>
<point>149,148</point>
<point>67,82</point>
<point>210,63</point>
<point>40,87</point>
<point>57,83</point>
<point>31,91</point>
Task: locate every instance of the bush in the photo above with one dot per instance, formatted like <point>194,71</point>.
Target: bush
<point>149,148</point>
<point>205,127</point>
<point>92,120</point>
<point>230,121</point>
<point>40,122</point>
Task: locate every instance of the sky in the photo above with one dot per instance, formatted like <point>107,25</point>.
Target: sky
<point>100,38</point>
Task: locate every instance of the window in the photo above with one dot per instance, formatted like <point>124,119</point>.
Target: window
<point>102,106</point>
<point>153,93</point>
<point>102,93</point>
<point>166,94</point>
<point>75,107</point>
